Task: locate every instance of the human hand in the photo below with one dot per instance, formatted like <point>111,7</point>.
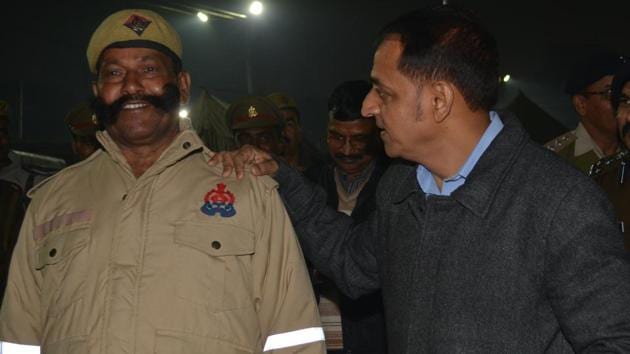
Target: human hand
<point>262,163</point>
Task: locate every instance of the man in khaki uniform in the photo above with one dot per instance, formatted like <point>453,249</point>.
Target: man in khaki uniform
<point>299,152</point>
<point>144,248</point>
<point>613,173</point>
<point>82,124</point>
<point>595,136</point>
<point>256,121</point>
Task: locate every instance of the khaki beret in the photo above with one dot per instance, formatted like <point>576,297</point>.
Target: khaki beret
<point>133,28</point>
<point>282,101</point>
<point>253,112</point>
<point>81,120</point>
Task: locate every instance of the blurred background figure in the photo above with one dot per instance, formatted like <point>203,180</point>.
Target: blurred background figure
<point>589,86</point>
<point>83,125</point>
<point>356,164</point>
<point>299,152</point>
<point>208,119</point>
<point>612,173</point>
<point>255,120</point>
<point>19,171</point>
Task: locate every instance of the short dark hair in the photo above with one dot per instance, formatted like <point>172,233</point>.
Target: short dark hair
<point>447,43</point>
<point>346,100</point>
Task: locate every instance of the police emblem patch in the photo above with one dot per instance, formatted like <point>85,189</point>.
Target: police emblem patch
<point>251,112</point>
<point>219,201</point>
<point>137,24</point>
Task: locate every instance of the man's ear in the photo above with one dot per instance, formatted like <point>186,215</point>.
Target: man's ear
<point>442,97</point>
<point>183,78</point>
<point>94,89</point>
<point>579,103</point>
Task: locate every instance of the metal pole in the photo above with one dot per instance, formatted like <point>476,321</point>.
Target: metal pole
<point>21,112</point>
<point>248,58</point>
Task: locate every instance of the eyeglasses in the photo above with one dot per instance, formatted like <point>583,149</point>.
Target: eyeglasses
<point>605,94</point>
<point>624,102</point>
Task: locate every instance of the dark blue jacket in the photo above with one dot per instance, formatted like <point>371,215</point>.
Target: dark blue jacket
<point>525,257</point>
<point>362,319</point>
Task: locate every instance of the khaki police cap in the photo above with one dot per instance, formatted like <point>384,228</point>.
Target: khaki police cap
<point>133,28</point>
<point>81,120</point>
<point>253,112</point>
<point>282,100</point>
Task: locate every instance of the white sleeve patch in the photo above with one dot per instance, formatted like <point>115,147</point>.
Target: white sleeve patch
<point>290,339</point>
<point>12,348</point>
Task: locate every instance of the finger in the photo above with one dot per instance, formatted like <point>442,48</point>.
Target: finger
<point>228,165</point>
<point>265,168</point>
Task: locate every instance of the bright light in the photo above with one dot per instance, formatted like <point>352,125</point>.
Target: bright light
<point>202,17</point>
<point>183,113</point>
<point>256,8</point>
<point>506,78</point>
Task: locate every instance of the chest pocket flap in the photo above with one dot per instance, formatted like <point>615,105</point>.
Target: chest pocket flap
<point>59,245</point>
<point>215,239</point>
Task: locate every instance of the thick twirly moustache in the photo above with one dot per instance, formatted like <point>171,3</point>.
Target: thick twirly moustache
<point>107,114</point>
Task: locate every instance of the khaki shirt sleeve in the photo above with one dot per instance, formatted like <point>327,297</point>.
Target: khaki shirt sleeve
<point>20,320</point>
<point>287,310</point>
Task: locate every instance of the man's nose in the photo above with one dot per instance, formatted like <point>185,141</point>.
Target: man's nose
<point>369,108</point>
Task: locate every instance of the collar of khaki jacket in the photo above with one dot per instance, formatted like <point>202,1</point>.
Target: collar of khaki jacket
<point>184,144</point>
<point>584,143</point>
<point>485,178</point>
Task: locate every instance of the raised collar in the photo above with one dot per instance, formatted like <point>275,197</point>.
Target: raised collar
<point>485,178</point>
<point>584,143</point>
<point>185,143</point>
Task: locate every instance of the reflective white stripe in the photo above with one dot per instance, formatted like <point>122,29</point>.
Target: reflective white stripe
<point>290,339</point>
<point>12,348</point>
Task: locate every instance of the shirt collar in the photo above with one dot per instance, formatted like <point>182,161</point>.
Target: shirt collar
<point>584,143</point>
<point>426,179</point>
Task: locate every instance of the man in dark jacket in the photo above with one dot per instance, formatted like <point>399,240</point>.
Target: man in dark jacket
<point>350,178</point>
<point>482,241</point>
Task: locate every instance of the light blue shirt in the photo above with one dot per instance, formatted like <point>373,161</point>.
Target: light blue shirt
<point>426,180</point>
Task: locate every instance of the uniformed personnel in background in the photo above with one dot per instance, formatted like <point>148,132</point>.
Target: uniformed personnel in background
<point>142,247</point>
<point>12,201</point>
<point>299,152</point>
<point>255,120</point>
<point>595,136</point>
<point>613,173</point>
<point>83,125</point>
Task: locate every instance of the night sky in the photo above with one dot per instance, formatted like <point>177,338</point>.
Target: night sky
<point>302,47</point>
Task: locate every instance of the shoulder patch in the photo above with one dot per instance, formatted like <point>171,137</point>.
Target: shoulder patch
<point>561,142</point>
<point>609,162</point>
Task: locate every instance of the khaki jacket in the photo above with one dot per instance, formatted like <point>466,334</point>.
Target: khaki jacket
<point>179,260</point>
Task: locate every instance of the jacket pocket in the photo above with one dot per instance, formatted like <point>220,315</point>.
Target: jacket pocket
<point>213,264</point>
<point>62,261</point>
<point>173,342</point>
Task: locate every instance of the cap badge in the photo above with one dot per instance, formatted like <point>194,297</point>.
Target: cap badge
<point>219,201</point>
<point>251,112</point>
<point>137,24</point>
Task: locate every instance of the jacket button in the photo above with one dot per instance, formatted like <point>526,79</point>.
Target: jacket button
<point>53,252</point>
<point>216,245</point>
<point>186,145</point>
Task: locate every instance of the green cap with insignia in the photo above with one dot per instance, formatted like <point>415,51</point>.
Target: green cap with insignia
<point>135,28</point>
<point>253,112</point>
<point>81,120</point>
